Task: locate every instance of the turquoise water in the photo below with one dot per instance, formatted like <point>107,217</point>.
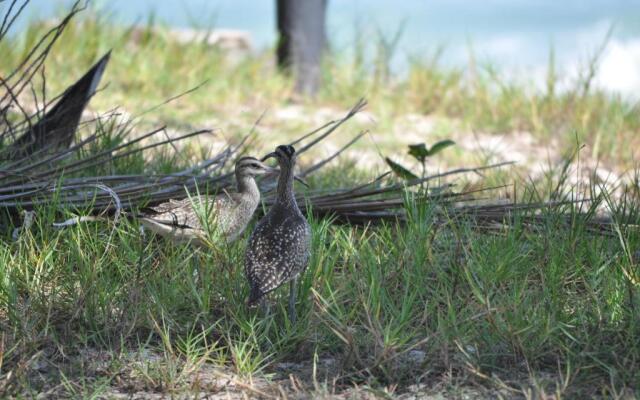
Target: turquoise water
<point>514,35</point>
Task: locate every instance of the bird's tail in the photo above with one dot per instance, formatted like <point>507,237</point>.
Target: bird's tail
<point>255,295</point>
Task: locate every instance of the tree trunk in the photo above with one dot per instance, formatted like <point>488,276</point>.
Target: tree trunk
<point>301,29</point>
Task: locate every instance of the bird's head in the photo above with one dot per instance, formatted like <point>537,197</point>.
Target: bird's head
<point>251,166</point>
<point>286,156</point>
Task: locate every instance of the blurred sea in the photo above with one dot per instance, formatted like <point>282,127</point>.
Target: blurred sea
<point>513,36</point>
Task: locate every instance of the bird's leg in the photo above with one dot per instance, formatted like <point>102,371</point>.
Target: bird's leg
<point>293,286</point>
<point>264,306</point>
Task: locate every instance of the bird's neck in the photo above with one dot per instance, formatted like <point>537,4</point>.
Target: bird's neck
<point>247,187</point>
<point>285,193</point>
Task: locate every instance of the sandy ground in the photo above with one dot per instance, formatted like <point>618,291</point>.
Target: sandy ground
<point>150,375</point>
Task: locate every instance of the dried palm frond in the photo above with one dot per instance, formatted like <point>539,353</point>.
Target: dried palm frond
<point>41,162</point>
<point>56,129</point>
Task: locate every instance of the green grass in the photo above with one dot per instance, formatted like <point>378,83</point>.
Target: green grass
<point>552,311</point>
<point>439,302</point>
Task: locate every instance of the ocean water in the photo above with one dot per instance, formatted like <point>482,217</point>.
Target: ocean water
<point>514,36</point>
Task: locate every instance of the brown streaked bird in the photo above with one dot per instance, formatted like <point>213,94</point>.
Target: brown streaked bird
<point>182,220</point>
<point>279,247</point>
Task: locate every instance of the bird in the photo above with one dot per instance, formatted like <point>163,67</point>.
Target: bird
<point>278,250</point>
<point>229,213</point>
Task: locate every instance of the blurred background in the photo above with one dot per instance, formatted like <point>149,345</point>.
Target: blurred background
<point>516,35</point>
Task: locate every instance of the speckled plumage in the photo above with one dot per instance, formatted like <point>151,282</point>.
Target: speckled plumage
<point>279,247</point>
<point>228,213</point>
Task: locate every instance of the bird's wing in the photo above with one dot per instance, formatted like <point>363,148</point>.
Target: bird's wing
<point>262,259</point>
<point>273,259</point>
<point>169,205</point>
<point>187,213</point>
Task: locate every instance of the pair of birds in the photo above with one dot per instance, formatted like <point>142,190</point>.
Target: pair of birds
<point>279,247</point>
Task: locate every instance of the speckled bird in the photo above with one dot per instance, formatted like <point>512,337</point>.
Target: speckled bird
<point>279,247</point>
<point>230,212</point>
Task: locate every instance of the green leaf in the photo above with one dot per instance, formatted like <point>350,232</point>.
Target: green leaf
<point>418,151</point>
<point>439,146</point>
<point>399,170</point>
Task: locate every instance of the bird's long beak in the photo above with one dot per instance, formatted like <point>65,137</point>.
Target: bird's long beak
<point>268,156</point>
<point>270,170</point>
